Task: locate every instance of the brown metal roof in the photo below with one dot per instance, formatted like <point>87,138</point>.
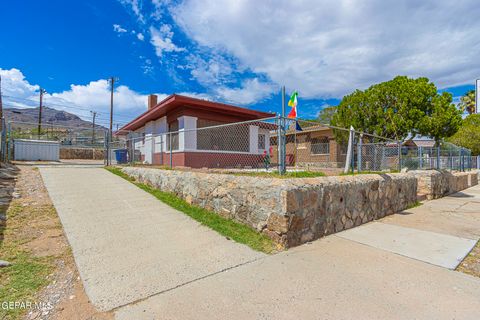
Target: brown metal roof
<point>173,101</point>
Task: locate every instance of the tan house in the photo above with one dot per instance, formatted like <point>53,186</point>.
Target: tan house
<point>315,146</point>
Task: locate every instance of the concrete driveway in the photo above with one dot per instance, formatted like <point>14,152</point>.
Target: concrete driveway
<point>128,245</point>
<point>147,261</point>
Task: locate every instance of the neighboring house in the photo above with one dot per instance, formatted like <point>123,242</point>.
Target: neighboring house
<point>419,141</point>
<point>314,146</point>
<point>192,146</point>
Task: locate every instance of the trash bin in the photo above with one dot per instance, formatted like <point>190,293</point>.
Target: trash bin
<point>121,155</point>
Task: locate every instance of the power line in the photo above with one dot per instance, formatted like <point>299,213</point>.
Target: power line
<point>103,119</point>
<point>72,106</point>
<point>55,125</point>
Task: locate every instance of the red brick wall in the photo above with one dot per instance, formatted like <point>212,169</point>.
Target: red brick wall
<point>210,160</point>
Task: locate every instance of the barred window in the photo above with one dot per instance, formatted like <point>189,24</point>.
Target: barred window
<point>320,146</point>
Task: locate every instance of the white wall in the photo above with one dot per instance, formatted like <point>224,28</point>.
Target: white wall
<point>33,150</point>
<point>187,137</point>
<point>160,139</point>
<point>149,128</point>
<point>253,132</point>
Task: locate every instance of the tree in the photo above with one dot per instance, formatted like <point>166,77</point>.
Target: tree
<point>467,102</point>
<point>468,136</point>
<point>442,119</point>
<point>399,107</point>
<point>325,116</point>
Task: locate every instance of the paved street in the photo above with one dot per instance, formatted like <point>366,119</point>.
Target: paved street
<point>148,261</point>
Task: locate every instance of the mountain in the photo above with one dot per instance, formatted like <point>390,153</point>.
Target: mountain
<point>28,118</point>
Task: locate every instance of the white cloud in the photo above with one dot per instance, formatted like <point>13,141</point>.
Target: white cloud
<point>140,36</point>
<point>215,70</point>
<point>15,85</point>
<point>136,8</point>
<point>161,39</point>
<point>330,49</point>
<point>118,28</point>
<point>252,90</point>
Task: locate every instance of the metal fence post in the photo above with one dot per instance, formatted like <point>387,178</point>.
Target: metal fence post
<point>9,143</point>
<point>399,146</point>
<point>283,160</point>
<point>282,148</point>
<point>171,155</point>
<point>359,153</point>
<point>420,157</point>
<point>279,142</point>
<point>438,158</point>
<point>462,164</point>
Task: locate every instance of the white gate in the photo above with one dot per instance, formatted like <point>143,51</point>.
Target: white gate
<point>36,150</point>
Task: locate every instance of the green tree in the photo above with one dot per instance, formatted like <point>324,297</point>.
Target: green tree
<point>397,108</point>
<point>468,136</point>
<point>467,102</point>
<point>442,120</point>
<point>325,116</point>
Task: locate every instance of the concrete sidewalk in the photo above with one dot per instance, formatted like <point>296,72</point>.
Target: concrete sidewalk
<point>150,262</point>
<point>332,278</point>
<point>127,244</point>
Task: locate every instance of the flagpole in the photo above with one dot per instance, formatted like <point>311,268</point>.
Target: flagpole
<point>283,136</point>
<point>295,151</point>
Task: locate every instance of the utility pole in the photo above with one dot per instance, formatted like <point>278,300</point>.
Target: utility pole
<point>94,114</point>
<point>112,84</point>
<point>1,105</point>
<point>42,92</point>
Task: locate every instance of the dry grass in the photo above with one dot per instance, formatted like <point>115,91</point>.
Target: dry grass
<point>471,264</point>
<point>28,273</point>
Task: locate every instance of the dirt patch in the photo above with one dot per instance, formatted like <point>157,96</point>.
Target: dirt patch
<point>34,228</point>
<point>471,264</point>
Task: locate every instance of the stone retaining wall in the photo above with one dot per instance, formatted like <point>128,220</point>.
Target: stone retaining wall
<point>290,211</point>
<point>439,183</point>
<point>82,153</point>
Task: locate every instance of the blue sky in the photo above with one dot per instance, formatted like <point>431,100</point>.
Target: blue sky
<point>238,52</point>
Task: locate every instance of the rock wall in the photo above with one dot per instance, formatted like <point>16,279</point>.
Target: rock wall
<point>290,211</point>
<point>317,207</point>
<point>82,153</point>
<point>439,183</point>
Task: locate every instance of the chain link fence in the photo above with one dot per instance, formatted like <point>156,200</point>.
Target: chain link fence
<point>75,142</point>
<point>282,144</point>
<point>271,144</point>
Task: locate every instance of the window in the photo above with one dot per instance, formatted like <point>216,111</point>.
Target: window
<point>320,146</point>
<point>173,127</point>
<point>261,141</point>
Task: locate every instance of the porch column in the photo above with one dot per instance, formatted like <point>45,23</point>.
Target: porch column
<point>253,138</point>
<point>187,136</point>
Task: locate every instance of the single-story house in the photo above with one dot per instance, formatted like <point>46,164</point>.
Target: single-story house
<point>190,145</point>
<point>314,146</point>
